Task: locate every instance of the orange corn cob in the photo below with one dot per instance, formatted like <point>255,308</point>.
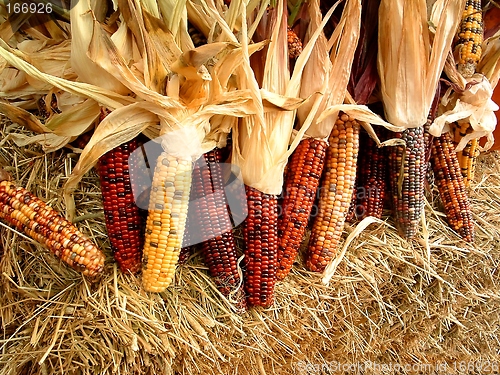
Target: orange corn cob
<point>351,213</point>
<point>408,190</point>
<point>336,193</point>
<point>301,184</point>
<point>31,215</point>
<point>123,219</point>
<point>467,160</point>
<point>451,186</point>
<point>294,44</point>
<point>261,238</point>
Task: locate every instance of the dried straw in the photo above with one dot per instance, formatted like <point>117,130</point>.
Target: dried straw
<point>390,301</point>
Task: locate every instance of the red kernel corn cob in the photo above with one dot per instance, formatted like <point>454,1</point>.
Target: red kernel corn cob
<point>260,233</point>
<point>31,215</point>
<point>123,219</point>
<point>208,208</point>
<point>301,184</point>
<point>451,187</point>
<point>336,193</point>
<point>408,198</point>
<point>372,179</point>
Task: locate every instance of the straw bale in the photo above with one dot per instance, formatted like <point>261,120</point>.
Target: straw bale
<point>391,302</point>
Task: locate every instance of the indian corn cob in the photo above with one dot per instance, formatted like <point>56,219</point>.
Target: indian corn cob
<point>301,183</point>
<point>407,168</point>
<point>372,179</point>
<point>451,186</point>
<point>168,206</point>
<point>469,50</point>
<point>467,157</point>
<point>261,238</point>
<point>209,211</point>
<point>31,215</point>
<point>123,219</point>
<point>470,38</point>
<point>186,244</point>
<point>294,44</point>
<point>336,192</point>
<point>352,212</point>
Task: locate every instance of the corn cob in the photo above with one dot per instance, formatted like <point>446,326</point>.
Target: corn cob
<point>301,184</point>
<point>336,193</point>
<point>168,206</point>
<point>352,213</point>
<point>451,187</point>
<point>209,209</point>
<point>294,44</point>
<point>407,190</point>
<point>39,221</point>
<point>123,220</point>
<point>261,237</point>
<point>470,38</point>
<point>469,49</point>
<point>186,244</point>
<point>467,160</point>
<point>372,179</point>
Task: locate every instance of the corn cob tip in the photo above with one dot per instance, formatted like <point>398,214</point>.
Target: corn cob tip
<point>4,175</point>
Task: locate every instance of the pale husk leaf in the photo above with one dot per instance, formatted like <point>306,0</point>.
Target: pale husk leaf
<point>83,25</point>
<point>103,96</point>
<point>120,126</point>
<point>344,42</point>
<point>409,64</point>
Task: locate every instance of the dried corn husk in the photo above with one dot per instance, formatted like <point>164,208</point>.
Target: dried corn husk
<point>410,60</point>
<point>260,147</point>
<point>470,100</point>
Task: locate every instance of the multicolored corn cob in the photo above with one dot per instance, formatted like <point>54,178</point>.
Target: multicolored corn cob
<point>451,187</point>
<point>407,168</point>
<point>469,50</point>
<point>372,178</point>
<point>301,184</point>
<point>294,44</point>
<point>168,209</point>
<point>209,217</point>
<point>123,219</point>
<point>261,238</point>
<point>32,216</point>
<point>470,38</point>
<point>467,157</point>
<point>336,193</point>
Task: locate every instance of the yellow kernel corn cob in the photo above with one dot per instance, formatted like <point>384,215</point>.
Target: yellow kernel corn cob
<point>451,186</point>
<point>467,159</point>
<point>336,193</point>
<point>168,208</point>
<point>470,38</point>
<point>31,215</point>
